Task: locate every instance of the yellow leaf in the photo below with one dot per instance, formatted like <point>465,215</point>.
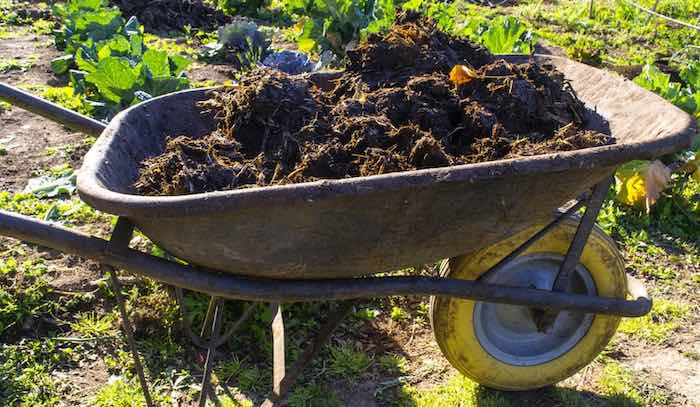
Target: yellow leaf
<point>632,190</point>
<point>461,74</point>
<point>640,183</point>
<point>696,175</point>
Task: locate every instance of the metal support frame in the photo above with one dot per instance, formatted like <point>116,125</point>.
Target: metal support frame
<point>593,206</point>
<point>121,237</point>
<point>216,316</point>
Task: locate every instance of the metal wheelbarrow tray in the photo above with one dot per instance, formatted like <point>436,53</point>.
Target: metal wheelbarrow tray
<point>361,226</point>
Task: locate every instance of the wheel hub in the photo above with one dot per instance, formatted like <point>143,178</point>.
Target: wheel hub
<point>513,334</point>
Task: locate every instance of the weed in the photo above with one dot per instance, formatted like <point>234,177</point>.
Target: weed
<point>119,392</point>
<point>313,395</point>
<point>617,382</point>
<point>346,361</point>
<point>66,97</point>
<point>15,64</point>
<point>90,325</point>
<point>398,314</point>
<point>25,377</point>
<point>42,27</point>
<point>367,314</point>
<point>655,327</point>
<point>692,355</point>
<point>458,391</point>
<point>226,401</point>
<point>394,364</point>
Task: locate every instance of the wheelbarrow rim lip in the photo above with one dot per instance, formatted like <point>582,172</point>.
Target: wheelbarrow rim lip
<point>93,192</point>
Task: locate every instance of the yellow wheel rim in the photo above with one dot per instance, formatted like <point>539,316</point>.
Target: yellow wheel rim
<point>476,347</point>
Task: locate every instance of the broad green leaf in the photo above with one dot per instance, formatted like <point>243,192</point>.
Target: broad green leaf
<point>136,45</point>
<point>157,63</point>
<point>99,25</point>
<point>116,46</point>
<point>84,61</point>
<point>178,64</point>
<point>306,44</point>
<point>504,35</point>
<point>166,84</point>
<point>60,65</point>
<point>413,5</point>
<point>51,186</point>
<point>691,75</point>
<point>115,80</point>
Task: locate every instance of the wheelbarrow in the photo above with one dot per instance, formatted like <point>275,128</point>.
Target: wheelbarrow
<point>530,292</point>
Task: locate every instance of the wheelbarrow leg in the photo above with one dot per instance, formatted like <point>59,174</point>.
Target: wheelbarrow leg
<point>278,351</point>
<point>211,349</point>
<point>121,236</point>
<point>288,379</point>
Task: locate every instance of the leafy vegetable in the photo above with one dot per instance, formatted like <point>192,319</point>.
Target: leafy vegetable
<point>114,67</point>
<point>684,96</point>
<point>52,185</point>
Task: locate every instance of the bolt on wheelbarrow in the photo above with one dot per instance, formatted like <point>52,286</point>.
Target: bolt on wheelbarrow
<point>529,293</point>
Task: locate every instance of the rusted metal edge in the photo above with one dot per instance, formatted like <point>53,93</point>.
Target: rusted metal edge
<point>276,290</point>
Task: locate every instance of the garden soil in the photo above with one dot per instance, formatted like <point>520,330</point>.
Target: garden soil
<point>409,99</point>
<point>172,15</point>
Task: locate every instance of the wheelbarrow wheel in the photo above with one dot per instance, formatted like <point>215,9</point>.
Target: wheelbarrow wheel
<point>510,347</point>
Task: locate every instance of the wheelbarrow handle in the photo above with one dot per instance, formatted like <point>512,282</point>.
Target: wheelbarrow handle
<point>51,111</point>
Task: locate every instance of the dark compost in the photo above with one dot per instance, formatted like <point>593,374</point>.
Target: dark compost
<point>408,99</point>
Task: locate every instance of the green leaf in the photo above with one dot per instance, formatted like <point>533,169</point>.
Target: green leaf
<point>84,61</point>
<point>49,186</point>
<point>60,65</point>
<point>136,45</point>
<point>98,25</point>
<point>116,46</point>
<point>413,5</point>
<point>166,84</point>
<point>178,64</point>
<point>115,80</point>
<point>157,63</point>
<point>691,75</point>
<point>504,35</point>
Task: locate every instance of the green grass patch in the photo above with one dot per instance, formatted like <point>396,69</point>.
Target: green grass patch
<point>42,27</point>
<point>17,64</point>
<point>394,364</point>
<point>122,393</point>
<point>458,391</point>
<point>347,361</point>
<point>66,97</point>
<point>91,325</point>
<point>313,395</point>
<point>655,327</point>
<point>25,372</point>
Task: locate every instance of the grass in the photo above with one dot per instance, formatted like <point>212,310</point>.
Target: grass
<point>617,33</point>
<point>66,97</point>
<point>393,364</point>
<point>457,391</point>
<point>664,318</point>
<point>313,395</point>
<point>17,64</point>
<point>347,361</point>
<point>625,388</point>
<point>91,325</point>
<point>120,393</point>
